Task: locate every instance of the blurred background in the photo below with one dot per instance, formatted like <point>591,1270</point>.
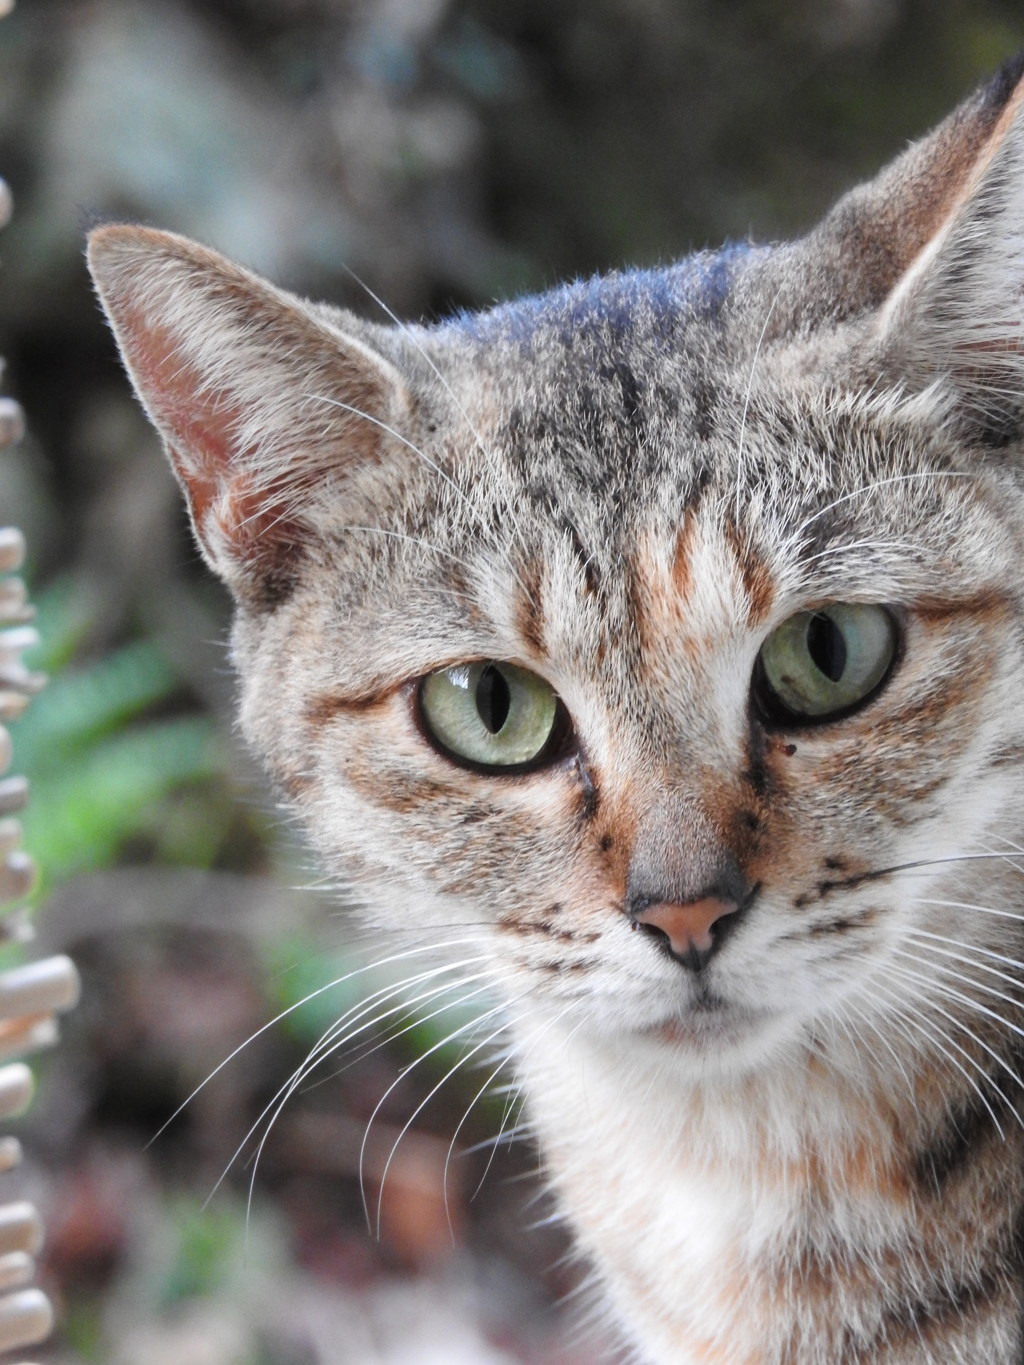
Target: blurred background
<point>448,153</point>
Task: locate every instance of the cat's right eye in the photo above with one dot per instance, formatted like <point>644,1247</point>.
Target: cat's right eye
<point>820,665</point>
<point>492,715</point>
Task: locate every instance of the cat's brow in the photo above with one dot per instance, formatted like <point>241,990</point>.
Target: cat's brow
<point>873,486</point>
<point>324,706</point>
<point>986,602</point>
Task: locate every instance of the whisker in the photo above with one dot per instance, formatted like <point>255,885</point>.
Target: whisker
<point>845,546</point>
<point>412,540</point>
<point>880,1034</point>
<point>458,1129</point>
<point>301,1073</point>
<point>456,1066</point>
<point>968,905</point>
<point>913,865</point>
<point>449,1038</point>
<point>950,994</point>
<point>1014,849</point>
<point>431,464</point>
<point>446,384</point>
<point>970,947</point>
<point>521,1054</point>
<point>323,1048</point>
<point>438,373</point>
<point>931,1030</point>
<point>336,1039</point>
<point>391,431</point>
<point>297,1004</point>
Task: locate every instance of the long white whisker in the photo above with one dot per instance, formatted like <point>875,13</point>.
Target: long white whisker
<point>391,431</point>
<point>456,1066</point>
<point>949,993</point>
<point>435,1047</point>
<point>329,1041</point>
<point>952,993</point>
<point>312,995</point>
<point>458,1129</point>
<point>1008,858</point>
<point>298,1077</point>
<point>498,1010</point>
<point>337,1038</point>
<point>968,905</point>
<point>870,488</point>
<point>276,1105</point>
<point>975,948</point>
<point>965,959</point>
<point>931,1030</point>
<point>438,373</point>
<point>446,384</point>
<point>844,546</point>
<point>880,1034</point>
<point>411,445</point>
<point>523,1053</point>
<point>412,540</point>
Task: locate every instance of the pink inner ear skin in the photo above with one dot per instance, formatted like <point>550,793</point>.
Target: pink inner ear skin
<point>199,428</point>
<point>227,500</point>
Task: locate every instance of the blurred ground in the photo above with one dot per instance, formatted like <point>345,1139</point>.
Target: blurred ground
<point>446,154</point>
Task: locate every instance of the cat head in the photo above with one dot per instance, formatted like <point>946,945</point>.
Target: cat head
<point>683,599</point>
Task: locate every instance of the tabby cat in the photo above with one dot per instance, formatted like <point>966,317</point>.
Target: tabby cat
<point>653,649</point>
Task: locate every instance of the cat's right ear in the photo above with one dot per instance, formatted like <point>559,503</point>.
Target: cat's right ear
<point>263,407</point>
<point>932,251</point>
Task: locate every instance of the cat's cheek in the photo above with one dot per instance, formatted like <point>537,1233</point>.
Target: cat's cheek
<point>373,783</point>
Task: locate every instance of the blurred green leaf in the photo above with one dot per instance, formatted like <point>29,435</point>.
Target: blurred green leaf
<point>82,813</point>
<point>209,1243</point>
<point>82,705</point>
<point>106,762</point>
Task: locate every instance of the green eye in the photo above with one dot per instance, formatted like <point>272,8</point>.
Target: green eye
<point>819,664</point>
<point>492,715</point>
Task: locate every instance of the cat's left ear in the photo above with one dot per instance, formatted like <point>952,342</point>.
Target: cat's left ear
<point>956,317</point>
<point>267,411</point>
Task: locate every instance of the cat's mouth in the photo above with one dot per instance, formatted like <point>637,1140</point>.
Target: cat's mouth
<point>712,1027</point>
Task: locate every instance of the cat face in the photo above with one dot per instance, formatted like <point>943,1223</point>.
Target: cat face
<point>651,643</point>
<point>645,595</point>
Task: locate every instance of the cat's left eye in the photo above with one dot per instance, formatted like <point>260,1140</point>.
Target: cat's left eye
<point>492,715</point>
<point>822,664</point>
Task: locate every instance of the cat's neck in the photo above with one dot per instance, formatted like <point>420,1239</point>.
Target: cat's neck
<point>721,1210</point>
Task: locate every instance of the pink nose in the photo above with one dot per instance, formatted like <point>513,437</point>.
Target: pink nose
<point>686,926</point>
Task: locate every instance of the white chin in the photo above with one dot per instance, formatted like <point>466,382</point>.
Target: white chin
<point>725,1040</point>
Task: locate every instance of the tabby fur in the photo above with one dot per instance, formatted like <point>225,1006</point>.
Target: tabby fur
<point>807,1149</point>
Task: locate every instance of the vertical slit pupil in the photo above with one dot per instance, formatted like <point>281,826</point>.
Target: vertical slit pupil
<point>826,646</point>
<point>493,698</point>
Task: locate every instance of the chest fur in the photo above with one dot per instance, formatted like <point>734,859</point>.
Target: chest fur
<point>780,1219</point>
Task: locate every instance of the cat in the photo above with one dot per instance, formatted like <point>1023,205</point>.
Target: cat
<point>652,649</point>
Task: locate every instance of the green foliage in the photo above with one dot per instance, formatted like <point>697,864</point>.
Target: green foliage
<point>109,748</point>
<point>208,1247</point>
<point>299,969</point>
<point>82,1330</point>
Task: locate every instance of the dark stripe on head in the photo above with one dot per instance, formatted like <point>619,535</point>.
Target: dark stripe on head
<point>322,708</point>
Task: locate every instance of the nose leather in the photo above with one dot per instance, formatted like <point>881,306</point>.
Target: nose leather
<point>686,926</point>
